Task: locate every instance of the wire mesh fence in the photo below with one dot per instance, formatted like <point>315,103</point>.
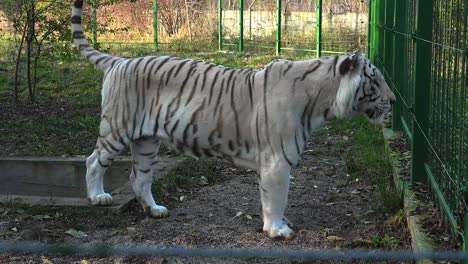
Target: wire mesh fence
<point>253,25</point>
<point>299,27</point>
<point>422,48</point>
<point>344,25</point>
<point>259,25</point>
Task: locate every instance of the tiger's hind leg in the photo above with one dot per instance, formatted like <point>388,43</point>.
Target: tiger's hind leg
<point>96,165</point>
<point>144,152</point>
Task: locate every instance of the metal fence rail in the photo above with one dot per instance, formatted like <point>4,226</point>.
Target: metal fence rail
<point>304,254</point>
<point>421,45</point>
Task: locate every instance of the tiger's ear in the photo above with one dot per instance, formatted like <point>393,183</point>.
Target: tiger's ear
<point>352,62</point>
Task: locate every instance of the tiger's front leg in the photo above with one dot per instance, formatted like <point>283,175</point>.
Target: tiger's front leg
<point>274,187</point>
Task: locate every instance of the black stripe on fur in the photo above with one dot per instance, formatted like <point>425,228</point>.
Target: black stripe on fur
<point>78,4</point>
<point>76,19</point>
<point>78,35</point>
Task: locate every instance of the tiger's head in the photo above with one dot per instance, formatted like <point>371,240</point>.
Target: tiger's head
<point>363,89</point>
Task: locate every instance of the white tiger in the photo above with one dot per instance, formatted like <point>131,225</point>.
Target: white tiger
<point>257,119</point>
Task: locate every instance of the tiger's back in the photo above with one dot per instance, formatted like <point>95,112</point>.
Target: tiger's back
<point>195,105</point>
<point>256,119</point>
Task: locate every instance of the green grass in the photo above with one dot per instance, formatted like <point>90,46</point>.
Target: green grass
<point>61,134</point>
<point>386,242</point>
<point>187,173</point>
<point>366,158</point>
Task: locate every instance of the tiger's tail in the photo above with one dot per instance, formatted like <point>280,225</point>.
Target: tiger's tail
<point>100,59</point>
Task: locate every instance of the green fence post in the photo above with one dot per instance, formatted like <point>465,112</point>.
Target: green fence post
<point>155,24</point>
<point>241,25</point>
<point>278,27</point>
<point>319,28</point>
<point>220,25</point>
<point>389,36</point>
<point>370,18</point>
<point>374,30</point>
<point>422,72</point>
<point>94,7</point>
<point>400,63</point>
<point>380,38</point>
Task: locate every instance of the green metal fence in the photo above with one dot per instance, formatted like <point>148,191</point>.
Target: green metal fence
<point>317,26</point>
<point>421,46</point>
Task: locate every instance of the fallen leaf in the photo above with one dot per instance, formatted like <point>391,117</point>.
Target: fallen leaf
<point>46,260</point>
<point>355,191</point>
<point>248,216</point>
<point>203,180</point>
<point>335,238</point>
<point>182,198</point>
<point>239,214</point>
<point>41,217</point>
<point>14,229</point>
<point>76,233</point>
<point>114,232</point>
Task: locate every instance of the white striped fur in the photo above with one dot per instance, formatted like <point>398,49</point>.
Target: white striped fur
<point>257,119</point>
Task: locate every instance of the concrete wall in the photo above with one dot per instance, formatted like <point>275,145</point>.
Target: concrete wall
<point>262,23</point>
<point>54,177</point>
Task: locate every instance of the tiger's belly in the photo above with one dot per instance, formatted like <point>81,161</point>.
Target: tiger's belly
<point>203,139</point>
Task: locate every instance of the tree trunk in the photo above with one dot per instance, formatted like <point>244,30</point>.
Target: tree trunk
<point>31,22</point>
<point>29,39</point>
<point>36,59</point>
<point>17,66</point>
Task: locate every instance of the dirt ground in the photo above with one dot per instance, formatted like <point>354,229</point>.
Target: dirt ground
<point>328,209</point>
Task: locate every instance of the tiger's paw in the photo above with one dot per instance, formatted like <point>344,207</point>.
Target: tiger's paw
<point>158,211</point>
<point>101,199</point>
<point>281,231</point>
